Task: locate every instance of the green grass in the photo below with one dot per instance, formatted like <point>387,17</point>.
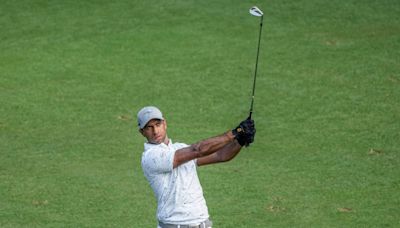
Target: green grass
<point>327,109</point>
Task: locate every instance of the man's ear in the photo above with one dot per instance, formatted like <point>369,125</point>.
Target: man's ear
<point>141,131</point>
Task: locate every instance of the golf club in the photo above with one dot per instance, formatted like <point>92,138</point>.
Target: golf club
<point>255,11</point>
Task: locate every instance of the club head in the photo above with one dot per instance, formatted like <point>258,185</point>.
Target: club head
<point>255,11</point>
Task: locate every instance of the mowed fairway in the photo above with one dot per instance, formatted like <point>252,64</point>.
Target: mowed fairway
<point>73,75</point>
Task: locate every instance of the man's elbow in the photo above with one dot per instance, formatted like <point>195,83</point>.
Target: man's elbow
<point>199,149</point>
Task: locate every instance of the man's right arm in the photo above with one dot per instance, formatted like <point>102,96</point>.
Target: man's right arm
<point>202,148</point>
<point>230,143</point>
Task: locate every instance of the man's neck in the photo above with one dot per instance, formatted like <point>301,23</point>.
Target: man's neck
<point>166,141</point>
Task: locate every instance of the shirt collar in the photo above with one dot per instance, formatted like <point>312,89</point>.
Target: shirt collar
<point>148,146</point>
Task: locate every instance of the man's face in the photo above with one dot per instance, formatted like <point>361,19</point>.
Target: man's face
<point>155,131</point>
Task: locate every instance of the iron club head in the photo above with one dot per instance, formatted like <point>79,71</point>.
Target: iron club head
<point>255,11</point>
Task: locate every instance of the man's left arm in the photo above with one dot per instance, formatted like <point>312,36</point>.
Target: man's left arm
<point>226,153</point>
<point>244,135</point>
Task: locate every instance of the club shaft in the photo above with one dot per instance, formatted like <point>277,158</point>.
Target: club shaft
<point>255,71</point>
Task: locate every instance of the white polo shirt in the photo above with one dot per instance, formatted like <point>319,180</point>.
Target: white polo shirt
<point>178,191</point>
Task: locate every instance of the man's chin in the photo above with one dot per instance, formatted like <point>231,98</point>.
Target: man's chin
<point>157,141</point>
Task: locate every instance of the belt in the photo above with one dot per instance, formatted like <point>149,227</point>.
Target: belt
<point>205,224</point>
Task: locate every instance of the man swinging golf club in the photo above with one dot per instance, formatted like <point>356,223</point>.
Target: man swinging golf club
<point>170,168</point>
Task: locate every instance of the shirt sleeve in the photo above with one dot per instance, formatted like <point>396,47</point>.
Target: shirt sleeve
<point>159,160</point>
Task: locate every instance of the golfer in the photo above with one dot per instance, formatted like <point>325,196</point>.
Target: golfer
<point>170,168</point>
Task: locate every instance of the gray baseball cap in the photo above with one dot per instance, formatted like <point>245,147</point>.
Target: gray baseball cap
<point>148,113</point>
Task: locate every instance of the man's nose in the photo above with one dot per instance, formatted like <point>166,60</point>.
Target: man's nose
<point>156,130</point>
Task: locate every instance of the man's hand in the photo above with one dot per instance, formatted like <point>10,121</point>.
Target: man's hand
<point>245,132</point>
